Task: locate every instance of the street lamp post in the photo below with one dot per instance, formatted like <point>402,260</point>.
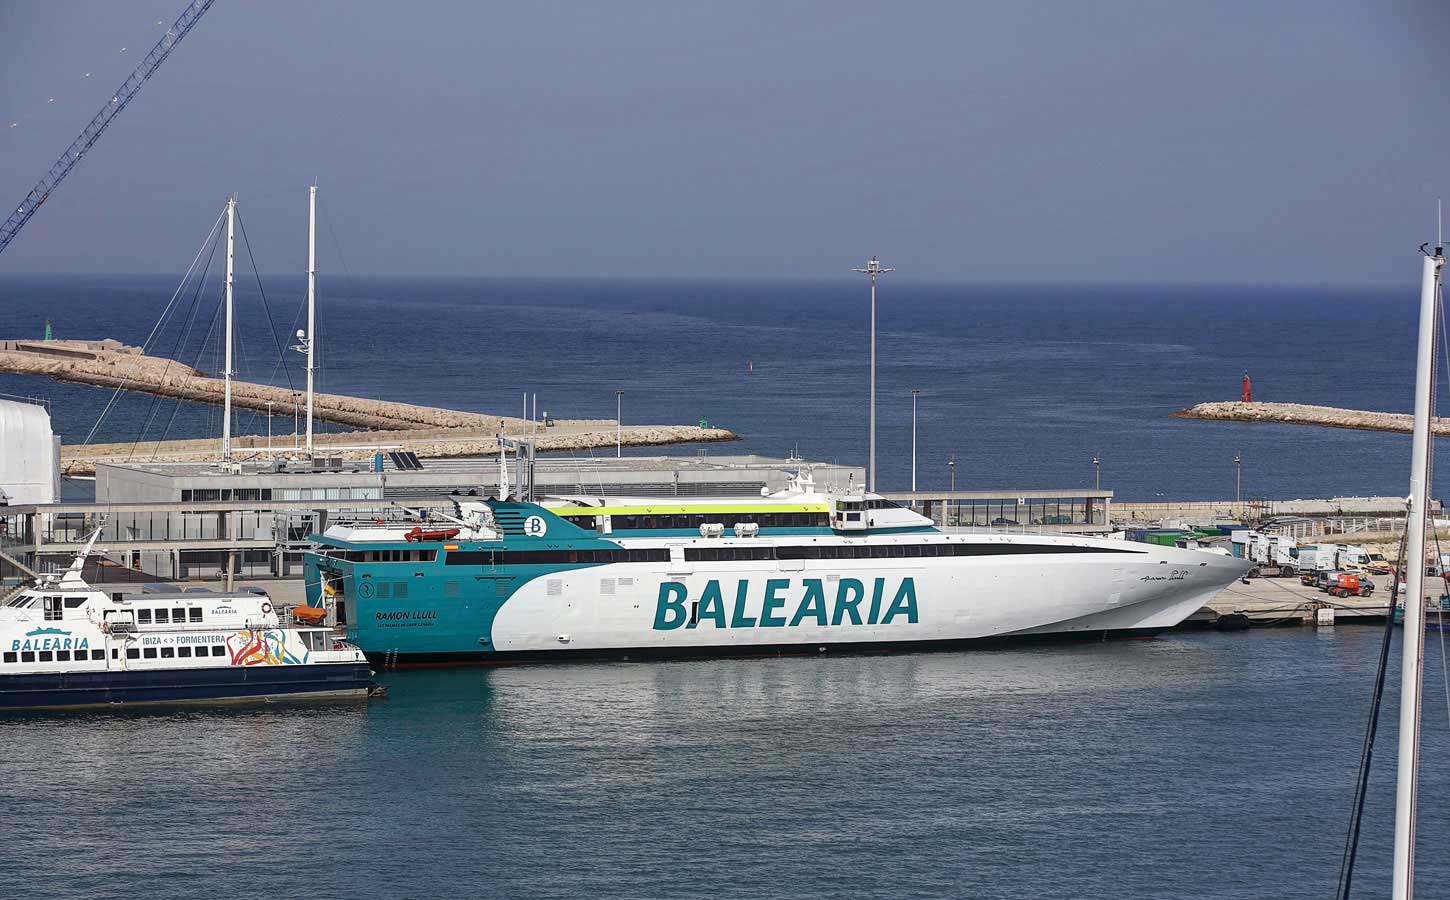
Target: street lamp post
<point>873,268</point>
<point>952,467</point>
<point>269,429</point>
<point>619,424</point>
<point>1097,473</point>
<point>914,393</point>
<point>1238,481</point>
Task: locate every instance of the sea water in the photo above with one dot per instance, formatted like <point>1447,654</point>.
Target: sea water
<point>1021,385</point>
<point>1201,765</point>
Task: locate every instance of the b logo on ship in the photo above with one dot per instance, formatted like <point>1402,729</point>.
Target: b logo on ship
<point>783,604</point>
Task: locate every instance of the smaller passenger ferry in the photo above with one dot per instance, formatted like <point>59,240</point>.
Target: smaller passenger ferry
<point>65,644</point>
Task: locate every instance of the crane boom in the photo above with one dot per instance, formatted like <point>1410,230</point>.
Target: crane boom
<point>92,132</point>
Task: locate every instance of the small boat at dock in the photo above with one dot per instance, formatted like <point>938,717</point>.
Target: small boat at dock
<point>65,644</point>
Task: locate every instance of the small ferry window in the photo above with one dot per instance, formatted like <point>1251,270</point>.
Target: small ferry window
<point>133,653</point>
<point>168,652</point>
<point>62,656</point>
<point>52,609</point>
<point>148,653</point>
<point>161,617</point>
<point>46,656</point>
<point>27,656</point>
<point>219,650</point>
<point>73,602</point>
<point>99,655</point>
<point>143,617</point>
<point>183,652</point>
<point>195,612</point>
<point>11,657</point>
<point>178,616</point>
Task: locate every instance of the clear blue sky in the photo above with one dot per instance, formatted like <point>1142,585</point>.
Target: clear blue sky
<point>1111,141</point>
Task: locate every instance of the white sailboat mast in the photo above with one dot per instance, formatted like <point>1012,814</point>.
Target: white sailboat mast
<point>1412,666</point>
<point>311,302</point>
<point>227,374</point>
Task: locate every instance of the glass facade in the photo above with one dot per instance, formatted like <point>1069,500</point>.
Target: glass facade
<point>1019,512</point>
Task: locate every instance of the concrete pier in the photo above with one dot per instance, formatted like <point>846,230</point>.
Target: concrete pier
<point>1304,414</point>
<point>426,430</point>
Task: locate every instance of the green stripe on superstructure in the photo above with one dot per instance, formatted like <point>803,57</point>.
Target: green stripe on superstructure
<point>688,509</point>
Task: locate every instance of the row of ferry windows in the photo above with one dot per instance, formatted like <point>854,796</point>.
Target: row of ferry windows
<point>878,551</point>
<point>146,616</point>
<point>548,557</point>
<point>693,521</point>
<point>384,555</point>
<point>45,656</point>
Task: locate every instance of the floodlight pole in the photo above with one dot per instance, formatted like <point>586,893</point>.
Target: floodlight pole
<point>873,268</point>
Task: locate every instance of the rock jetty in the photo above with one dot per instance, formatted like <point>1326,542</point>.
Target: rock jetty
<point>426,430</point>
<point>1305,414</point>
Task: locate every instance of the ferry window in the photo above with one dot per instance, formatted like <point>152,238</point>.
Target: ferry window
<point>183,652</point>
<point>178,616</point>
<point>62,656</point>
<point>168,652</point>
<point>400,590</point>
<point>219,650</point>
<point>46,656</point>
<point>73,602</point>
<point>52,609</point>
<point>195,613</point>
<point>27,656</point>
<point>99,655</point>
<point>161,617</point>
<point>148,653</point>
<point>143,617</point>
<point>133,653</point>
<point>11,657</point>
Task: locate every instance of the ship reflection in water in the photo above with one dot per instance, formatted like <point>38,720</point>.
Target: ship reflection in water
<point>1128,769</point>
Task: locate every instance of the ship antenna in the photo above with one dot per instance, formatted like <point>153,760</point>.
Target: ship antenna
<point>503,468</point>
<point>73,573</point>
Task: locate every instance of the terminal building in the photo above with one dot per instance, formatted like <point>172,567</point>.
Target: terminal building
<point>194,521</point>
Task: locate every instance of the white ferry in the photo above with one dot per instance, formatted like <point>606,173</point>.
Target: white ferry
<point>794,572</point>
<point>64,644</point>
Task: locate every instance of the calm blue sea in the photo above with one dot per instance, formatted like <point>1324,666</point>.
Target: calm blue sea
<point>1192,766</point>
<point>1023,385</point>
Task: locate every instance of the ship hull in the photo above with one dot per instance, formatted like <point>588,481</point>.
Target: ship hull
<point>637,611</point>
<point>219,684</point>
<point>753,651</point>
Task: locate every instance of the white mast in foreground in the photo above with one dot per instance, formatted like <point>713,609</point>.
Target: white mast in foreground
<point>227,374</point>
<point>1412,664</point>
<point>311,301</point>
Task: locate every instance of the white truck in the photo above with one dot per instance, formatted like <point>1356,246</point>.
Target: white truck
<point>1314,558</point>
<point>1273,554</point>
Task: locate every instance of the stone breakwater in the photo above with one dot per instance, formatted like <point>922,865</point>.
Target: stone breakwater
<point>110,365</point>
<point>428,431</point>
<point>577,435</point>
<point>1305,414</point>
